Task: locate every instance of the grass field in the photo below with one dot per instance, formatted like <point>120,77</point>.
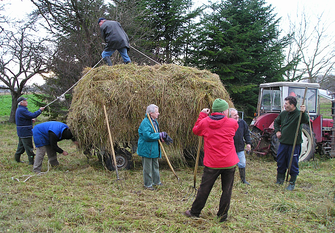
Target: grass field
<point>78,196</point>
<point>6,104</point>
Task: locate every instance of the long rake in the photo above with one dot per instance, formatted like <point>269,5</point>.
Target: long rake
<point>118,180</point>
<point>162,148</point>
<point>192,190</point>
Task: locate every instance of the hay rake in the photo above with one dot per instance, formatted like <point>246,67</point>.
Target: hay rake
<point>161,145</point>
<point>192,190</point>
<point>118,180</point>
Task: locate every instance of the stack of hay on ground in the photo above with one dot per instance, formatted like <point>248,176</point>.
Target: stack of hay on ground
<point>126,90</point>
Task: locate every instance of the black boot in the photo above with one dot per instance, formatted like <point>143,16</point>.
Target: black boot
<point>108,61</point>
<point>280,178</point>
<point>242,175</point>
<point>17,158</point>
<point>291,186</point>
<point>31,160</point>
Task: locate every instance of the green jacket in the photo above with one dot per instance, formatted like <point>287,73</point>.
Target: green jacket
<point>287,123</point>
<point>148,145</point>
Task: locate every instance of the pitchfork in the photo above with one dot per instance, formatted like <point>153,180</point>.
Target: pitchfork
<point>121,181</point>
<point>193,190</point>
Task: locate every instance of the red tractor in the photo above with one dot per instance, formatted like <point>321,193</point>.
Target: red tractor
<point>316,135</point>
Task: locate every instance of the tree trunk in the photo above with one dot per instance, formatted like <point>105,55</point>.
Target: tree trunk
<point>15,96</point>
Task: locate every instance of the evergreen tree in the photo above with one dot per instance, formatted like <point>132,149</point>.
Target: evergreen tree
<point>239,40</point>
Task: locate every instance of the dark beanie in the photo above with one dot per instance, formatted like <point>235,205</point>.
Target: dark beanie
<point>67,134</point>
<point>219,105</point>
<point>100,19</point>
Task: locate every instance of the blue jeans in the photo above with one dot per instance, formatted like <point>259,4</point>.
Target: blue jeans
<point>150,171</point>
<point>284,156</point>
<point>241,157</point>
<point>123,52</point>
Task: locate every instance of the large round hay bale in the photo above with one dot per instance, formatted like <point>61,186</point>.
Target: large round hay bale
<point>126,90</point>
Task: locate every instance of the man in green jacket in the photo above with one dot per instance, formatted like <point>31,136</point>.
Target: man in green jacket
<point>148,147</point>
<point>285,126</point>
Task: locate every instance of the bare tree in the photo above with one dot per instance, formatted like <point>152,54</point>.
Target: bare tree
<point>313,49</point>
<point>22,56</point>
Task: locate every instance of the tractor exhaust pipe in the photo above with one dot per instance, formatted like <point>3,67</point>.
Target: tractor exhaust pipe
<point>332,152</point>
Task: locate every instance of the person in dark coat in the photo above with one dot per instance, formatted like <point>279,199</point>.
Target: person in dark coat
<point>115,38</point>
<point>285,126</point>
<point>24,124</point>
<point>46,135</point>
<point>241,137</point>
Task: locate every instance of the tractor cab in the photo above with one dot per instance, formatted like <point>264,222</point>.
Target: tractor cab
<point>272,95</point>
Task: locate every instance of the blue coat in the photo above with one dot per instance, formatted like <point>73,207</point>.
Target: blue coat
<point>148,145</point>
<point>23,120</point>
<point>41,132</point>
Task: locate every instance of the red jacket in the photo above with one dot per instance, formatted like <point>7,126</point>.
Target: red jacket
<point>218,139</point>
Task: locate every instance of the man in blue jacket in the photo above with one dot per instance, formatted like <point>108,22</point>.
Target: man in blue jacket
<point>46,135</point>
<point>24,124</point>
<point>148,147</point>
<point>115,38</point>
<point>242,137</point>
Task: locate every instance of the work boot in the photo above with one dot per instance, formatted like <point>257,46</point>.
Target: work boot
<point>290,187</point>
<point>242,175</point>
<point>280,178</point>
<point>108,61</point>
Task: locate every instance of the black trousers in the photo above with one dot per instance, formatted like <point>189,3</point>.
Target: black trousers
<point>208,179</point>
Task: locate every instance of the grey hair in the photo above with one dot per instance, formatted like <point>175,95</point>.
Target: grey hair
<point>151,108</point>
<point>230,110</point>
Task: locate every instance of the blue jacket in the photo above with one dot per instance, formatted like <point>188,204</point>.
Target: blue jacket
<point>41,132</point>
<point>23,120</point>
<point>148,145</point>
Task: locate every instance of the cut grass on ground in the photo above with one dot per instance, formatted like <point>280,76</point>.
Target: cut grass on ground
<point>82,197</point>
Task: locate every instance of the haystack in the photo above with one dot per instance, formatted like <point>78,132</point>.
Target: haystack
<point>126,90</point>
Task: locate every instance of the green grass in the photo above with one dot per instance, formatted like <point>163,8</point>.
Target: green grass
<point>82,197</point>
<point>6,104</point>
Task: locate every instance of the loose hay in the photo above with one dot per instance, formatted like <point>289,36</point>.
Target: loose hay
<point>126,90</point>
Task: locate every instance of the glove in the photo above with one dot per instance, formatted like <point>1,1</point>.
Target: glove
<point>162,136</point>
<point>168,140</point>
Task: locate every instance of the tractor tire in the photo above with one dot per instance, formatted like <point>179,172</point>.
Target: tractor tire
<point>274,146</point>
<point>123,159</point>
<point>307,146</point>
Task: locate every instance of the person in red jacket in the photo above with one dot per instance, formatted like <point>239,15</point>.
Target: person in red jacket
<point>220,156</point>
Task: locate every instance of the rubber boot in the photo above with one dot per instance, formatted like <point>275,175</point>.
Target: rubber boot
<point>17,158</point>
<point>31,160</point>
<point>242,175</point>
<point>108,61</point>
<point>290,187</point>
<point>280,178</point>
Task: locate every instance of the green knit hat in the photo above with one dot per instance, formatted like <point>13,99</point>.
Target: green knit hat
<point>219,105</point>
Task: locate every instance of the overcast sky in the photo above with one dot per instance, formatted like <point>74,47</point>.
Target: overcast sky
<point>283,8</point>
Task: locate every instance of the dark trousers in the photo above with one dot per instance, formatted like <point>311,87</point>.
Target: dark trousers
<point>208,179</point>
<point>25,144</point>
<point>284,156</point>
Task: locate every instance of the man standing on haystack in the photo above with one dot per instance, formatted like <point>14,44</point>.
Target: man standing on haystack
<point>220,157</point>
<point>285,126</point>
<point>241,137</point>
<point>24,125</point>
<point>115,38</point>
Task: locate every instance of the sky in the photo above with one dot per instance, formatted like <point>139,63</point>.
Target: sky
<point>285,9</point>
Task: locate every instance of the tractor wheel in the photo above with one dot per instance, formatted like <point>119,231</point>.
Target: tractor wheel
<point>274,146</point>
<point>308,144</point>
<point>256,136</point>
<point>123,159</point>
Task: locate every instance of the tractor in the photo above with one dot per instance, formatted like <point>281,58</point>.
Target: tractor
<point>317,136</point>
